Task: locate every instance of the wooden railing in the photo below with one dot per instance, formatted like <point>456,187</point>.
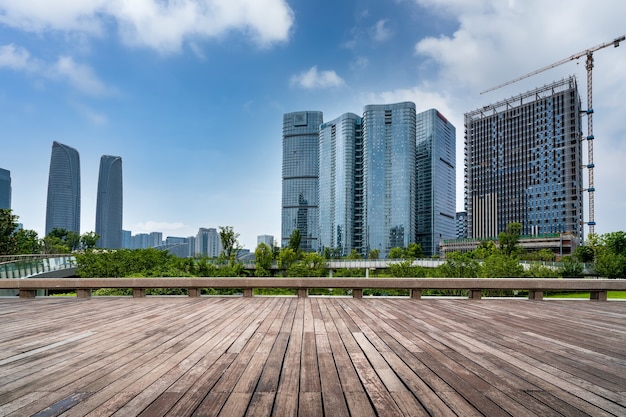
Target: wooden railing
<point>597,288</point>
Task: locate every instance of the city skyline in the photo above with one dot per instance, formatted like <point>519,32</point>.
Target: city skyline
<point>195,110</point>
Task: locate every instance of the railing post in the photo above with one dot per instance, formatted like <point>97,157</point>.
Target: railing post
<point>357,293</point>
<point>28,293</point>
<point>475,294</point>
<point>303,292</point>
<point>598,295</point>
<point>248,292</point>
<point>193,292</point>
<point>139,292</point>
<point>83,293</point>
<point>535,295</point>
<point>416,294</point>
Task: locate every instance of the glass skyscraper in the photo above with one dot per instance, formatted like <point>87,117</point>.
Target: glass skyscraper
<point>389,176</point>
<point>5,189</point>
<point>436,180</point>
<point>523,163</point>
<point>341,184</point>
<point>300,177</point>
<point>63,204</point>
<point>109,203</point>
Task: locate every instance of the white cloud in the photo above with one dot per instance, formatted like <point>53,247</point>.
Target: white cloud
<point>161,25</point>
<point>15,57</point>
<point>380,33</point>
<point>314,79</point>
<point>81,77</point>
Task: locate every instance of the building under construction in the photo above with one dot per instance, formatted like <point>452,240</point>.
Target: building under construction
<point>523,163</point>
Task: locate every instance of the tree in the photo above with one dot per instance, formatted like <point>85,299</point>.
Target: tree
<point>354,255</point>
<point>459,265</point>
<point>230,242</point>
<point>373,254</point>
<point>89,240</point>
<point>294,241</point>
<point>286,257</point>
<point>413,251</point>
<point>585,253</point>
<point>500,265</point>
<point>8,228</point>
<point>263,258</point>
<point>570,268</point>
<point>396,253</point>
<point>27,242</point>
<point>610,264</point>
<point>509,240</point>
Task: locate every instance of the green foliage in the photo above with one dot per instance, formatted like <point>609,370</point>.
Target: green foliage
<point>396,253</point>
<point>615,242</point>
<point>311,265</point>
<point>373,254</point>
<point>537,270</point>
<point>610,264</point>
<point>294,241</point>
<point>499,265</point>
<point>230,243</point>
<point>459,265</point>
<point>354,255</point>
<point>89,240</point>
<point>545,255</point>
<point>286,257</point>
<point>405,269</point>
<point>27,242</point>
<point>570,268</point>
<point>14,241</point>
<point>263,258</point>
<point>585,254</point>
<point>509,240</point>
<point>413,251</point>
<point>485,249</point>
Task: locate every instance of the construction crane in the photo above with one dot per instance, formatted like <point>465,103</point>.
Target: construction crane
<point>589,66</point>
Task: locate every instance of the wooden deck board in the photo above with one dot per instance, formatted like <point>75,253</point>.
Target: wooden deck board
<point>284,356</point>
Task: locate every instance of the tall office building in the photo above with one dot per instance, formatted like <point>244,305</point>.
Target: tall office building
<point>436,180</point>
<point>208,243</point>
<point>109,203</point>
<point>341,184</point>
<point>5,189</point>
<point>63,204</point>
<point>523,163</point>
<point>300,177</point>
<point>266,239</point>
<point>389,175</point>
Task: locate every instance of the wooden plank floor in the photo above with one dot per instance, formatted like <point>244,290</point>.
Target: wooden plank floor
<point>286,356</point>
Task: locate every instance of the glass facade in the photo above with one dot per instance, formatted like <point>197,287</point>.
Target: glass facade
<point>389,176</point>
<point>63,204</point>
<point>5,189</point>
<point>109,203</point>
<point>340,184</point>
<point>523,163</point>
<point>436,180</point>
<point>300,177</point>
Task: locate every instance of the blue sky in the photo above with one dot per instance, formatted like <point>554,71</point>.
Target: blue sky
<point>191,93</point>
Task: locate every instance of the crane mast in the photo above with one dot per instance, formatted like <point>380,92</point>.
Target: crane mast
<point>589,112</point>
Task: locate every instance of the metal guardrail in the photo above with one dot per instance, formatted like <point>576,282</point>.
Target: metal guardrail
<point>19,267</point>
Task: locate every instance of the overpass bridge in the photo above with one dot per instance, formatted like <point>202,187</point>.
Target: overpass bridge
<point>36,266</point>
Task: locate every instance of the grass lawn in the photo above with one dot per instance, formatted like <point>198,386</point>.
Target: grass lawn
<point>615,295</point>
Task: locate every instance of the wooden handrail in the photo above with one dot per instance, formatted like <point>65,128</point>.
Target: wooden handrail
<point>598,288</point>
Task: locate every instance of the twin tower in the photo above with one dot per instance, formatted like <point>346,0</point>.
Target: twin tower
<point>370,183</point>
<point>63,204</point>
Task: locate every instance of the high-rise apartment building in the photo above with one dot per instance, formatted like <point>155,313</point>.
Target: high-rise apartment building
<point>523,163</point>
<point>341,184</point>
<point>389,175</point>
<point>63,204</point>
<point>300,177</point>
<point>5,189</point>
<point>436,180</point>
<point>266,239</point>
<point>109,203</point>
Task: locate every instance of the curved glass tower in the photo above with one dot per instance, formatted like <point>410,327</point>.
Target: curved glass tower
<point>300,177</point>
<point>109,203</point>
<point>389,176</point>
<point>63,204</point>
